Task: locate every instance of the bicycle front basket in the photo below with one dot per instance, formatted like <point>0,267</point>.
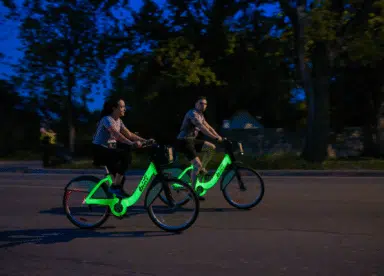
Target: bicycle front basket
<point>163,155</point>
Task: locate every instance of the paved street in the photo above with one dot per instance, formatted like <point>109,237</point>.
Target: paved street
<point>304,226</point>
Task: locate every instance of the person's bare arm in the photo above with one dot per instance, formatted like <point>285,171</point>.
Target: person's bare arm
<point>130,135</point>
<point>119,136</point>
<point>198,123</point>
<point>207,132</point>
<point>109,125</point>
<point>211,129</point>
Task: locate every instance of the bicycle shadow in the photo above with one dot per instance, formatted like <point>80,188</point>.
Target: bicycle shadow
<point>138,210</point>
<point>63,235</point>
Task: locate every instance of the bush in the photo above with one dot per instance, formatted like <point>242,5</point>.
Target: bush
<point>267,162</point>
<point>22,155</point>
<point>277,161</point>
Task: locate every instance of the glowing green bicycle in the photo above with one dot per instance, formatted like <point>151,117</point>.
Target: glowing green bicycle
<point>98,195</point>
<point>234,175</point>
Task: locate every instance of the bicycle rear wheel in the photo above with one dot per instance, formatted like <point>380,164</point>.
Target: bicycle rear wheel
<point>242,185</point>
<point>85,216</point>
<point>158,209</point>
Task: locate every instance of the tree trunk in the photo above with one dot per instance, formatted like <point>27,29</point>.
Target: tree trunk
<point>317,93</point>
<point>71,126</point>
<point>371,108</point>
<point>72,44</point>
<point>70,85</point>
<point>369,141</point>
<point>380,128</point>
<point>318,126</point>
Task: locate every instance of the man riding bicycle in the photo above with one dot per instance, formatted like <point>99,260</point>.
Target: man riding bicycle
<point>194,122</point>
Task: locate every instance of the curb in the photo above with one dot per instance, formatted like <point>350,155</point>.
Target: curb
<point>61,171</point>
<point>325,173</point>
<point>295,173</point>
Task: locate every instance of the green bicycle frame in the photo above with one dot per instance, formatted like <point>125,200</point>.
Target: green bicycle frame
<point>126,202</point>
<point>215,178</point>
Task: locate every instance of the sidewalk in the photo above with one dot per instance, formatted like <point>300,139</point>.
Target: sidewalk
<point>34,167</point>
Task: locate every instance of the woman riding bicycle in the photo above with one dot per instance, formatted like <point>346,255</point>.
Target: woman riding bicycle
<point>112,143</point>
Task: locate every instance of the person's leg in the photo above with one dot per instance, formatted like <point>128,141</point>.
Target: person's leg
<point>110,158</point>
<point>119,170</point>
<point>45,155</point>
<point>125,159</point>
<point>46,152</point>
<point>196,169</point>
<point>208,149</point>
<point>191,154</point>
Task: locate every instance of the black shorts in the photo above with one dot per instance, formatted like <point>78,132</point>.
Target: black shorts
<point>116,159</point>
<point>190,147</point>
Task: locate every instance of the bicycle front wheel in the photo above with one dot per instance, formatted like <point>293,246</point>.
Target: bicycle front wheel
<point>175,173</point>
<point>242,187</point>
<point>170,215</point>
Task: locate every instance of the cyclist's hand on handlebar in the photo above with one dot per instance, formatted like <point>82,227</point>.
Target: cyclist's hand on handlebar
<point>137,144</point>
<point>151,141</point>
<point>219,139</point>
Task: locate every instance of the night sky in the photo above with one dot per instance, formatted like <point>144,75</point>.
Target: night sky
<point>9,43</point>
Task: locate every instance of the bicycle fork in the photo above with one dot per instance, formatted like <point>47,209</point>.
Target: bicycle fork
<point>168,194</point>
<point>241,183</point>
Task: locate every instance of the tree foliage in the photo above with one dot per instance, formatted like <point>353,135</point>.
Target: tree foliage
<point>167,55</point>
<point>63,54</point>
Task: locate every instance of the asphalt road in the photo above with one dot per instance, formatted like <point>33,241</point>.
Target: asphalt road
<point>304,226</point>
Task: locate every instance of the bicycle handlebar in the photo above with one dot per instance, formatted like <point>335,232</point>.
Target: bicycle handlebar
<point>146,144</point>
<point>229,142</point>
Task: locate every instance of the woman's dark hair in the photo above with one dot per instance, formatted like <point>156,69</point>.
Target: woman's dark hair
<point>109,104</point>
